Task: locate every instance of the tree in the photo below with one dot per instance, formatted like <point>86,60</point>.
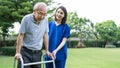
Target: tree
<point>13,11</point>
<point>107,31</point>
<point>83,27</point>
<point>6,19</point>
<point>118,33</point>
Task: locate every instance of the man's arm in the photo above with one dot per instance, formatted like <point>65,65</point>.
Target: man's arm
<point>18,46</point>
<point>46,43</point>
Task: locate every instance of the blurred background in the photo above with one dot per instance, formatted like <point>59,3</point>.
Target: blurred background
<point>93,23</point>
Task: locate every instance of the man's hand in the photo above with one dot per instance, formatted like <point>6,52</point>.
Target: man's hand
<point>48,53</point>
<point>17,56</point>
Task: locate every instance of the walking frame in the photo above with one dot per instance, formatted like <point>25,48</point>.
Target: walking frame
<point>34,63</point>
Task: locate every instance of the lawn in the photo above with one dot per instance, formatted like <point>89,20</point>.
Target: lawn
<point>82,58</point>
<point>94,58</point>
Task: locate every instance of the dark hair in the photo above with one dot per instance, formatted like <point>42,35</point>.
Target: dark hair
<point>65,17</point>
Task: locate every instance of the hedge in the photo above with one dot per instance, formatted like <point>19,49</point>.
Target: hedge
<point>9,51</point>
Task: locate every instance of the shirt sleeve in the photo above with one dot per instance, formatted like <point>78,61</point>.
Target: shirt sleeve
<point>67,32</point>
<point>23,26</point>
<point>47,25</point>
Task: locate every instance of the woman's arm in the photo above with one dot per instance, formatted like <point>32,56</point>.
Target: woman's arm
<point>59,47</point>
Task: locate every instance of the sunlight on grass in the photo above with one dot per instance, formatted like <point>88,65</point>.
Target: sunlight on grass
<point>82,58</point>
<point>94,58</point>
<point>6,62</point>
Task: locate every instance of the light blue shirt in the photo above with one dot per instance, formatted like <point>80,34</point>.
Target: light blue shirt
<point>33,32</point>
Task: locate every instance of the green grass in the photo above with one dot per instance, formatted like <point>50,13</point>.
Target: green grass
<point>94,58</point>
<point>82,58</point>
<point>6,61</point>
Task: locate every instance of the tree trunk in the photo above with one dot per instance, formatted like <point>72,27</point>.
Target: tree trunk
<point>80,45</point>
<point>3,41</point>
<point>108,44</point>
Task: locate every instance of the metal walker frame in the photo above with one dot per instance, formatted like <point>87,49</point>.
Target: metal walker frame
<point>34,63</point>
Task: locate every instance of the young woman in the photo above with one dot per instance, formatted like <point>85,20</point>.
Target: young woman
<point>59,31</point>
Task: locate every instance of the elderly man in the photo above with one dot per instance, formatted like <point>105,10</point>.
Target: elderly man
<point>34,30</point>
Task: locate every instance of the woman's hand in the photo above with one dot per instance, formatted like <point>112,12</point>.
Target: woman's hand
<point>54,53</point>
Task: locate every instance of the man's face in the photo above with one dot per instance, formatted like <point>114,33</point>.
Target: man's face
<point>40,14</point>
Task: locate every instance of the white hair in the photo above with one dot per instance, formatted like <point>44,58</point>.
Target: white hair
<point>38,5</point>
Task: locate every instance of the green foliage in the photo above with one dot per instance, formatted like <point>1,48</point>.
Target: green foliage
<point>5,14</point>
<point>82,27</point>
<point>9,51</point>
<point>72,44</point>
<point>107,30</point>
<point>94,43</point>
<point>13,11</point>
<point>11,42</point>
<point>118,33</point>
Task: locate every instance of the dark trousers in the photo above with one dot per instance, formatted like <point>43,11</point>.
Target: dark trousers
<point>58,63</point>
<point>30,56</point>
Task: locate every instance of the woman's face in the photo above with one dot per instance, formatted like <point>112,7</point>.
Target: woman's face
<point>59,14</point>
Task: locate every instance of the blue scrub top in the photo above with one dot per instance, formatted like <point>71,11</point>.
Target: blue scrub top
<point>56,35</point>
